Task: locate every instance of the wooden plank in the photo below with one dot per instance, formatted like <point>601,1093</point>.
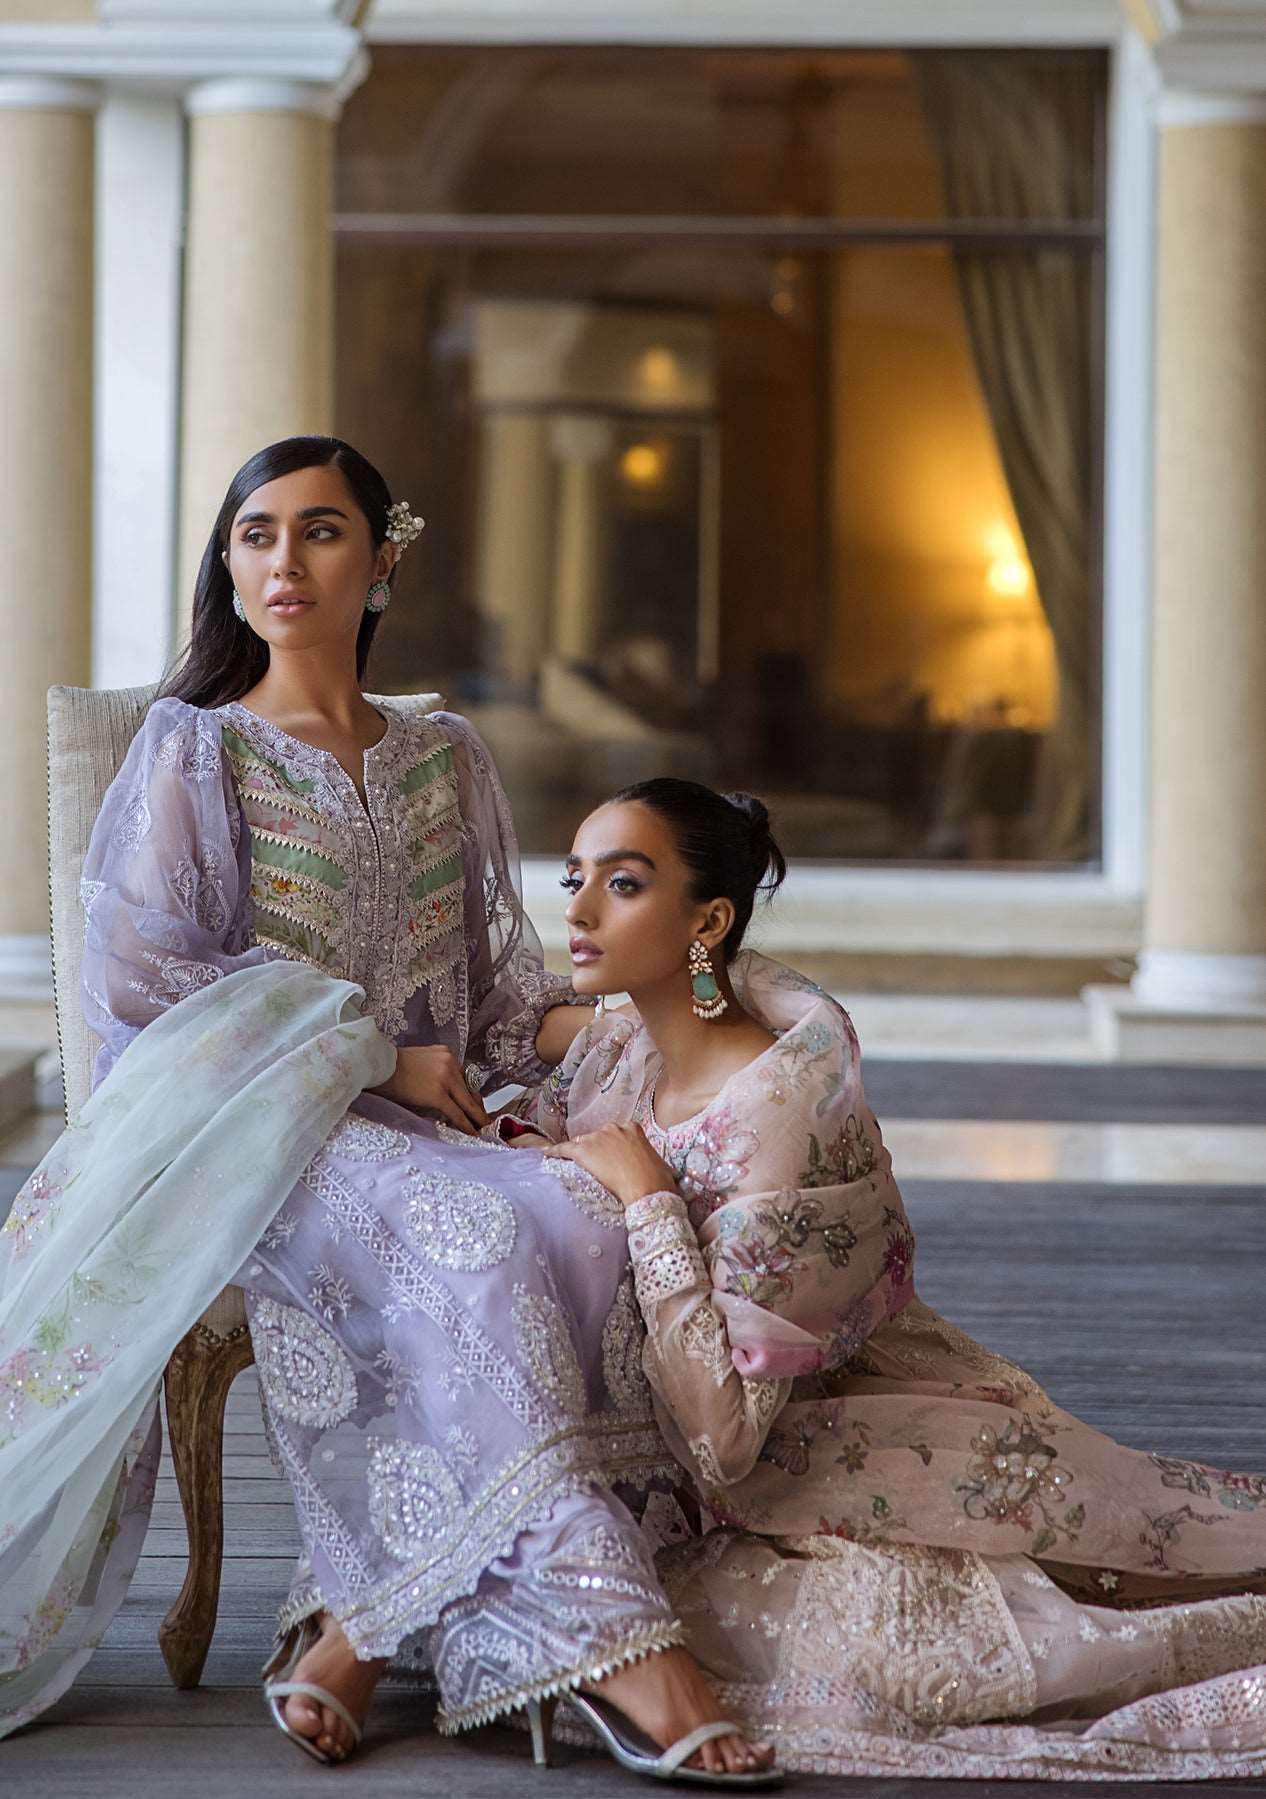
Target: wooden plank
<point>1140,1311</point>
<point>240,1542</point>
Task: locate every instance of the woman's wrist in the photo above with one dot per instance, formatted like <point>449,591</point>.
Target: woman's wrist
<point>649,1208</point>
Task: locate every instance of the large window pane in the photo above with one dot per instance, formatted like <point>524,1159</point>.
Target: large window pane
<point>785,134</point>
<point>820,522</point>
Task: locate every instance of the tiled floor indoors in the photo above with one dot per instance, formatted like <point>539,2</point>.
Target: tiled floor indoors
<point>1106,1226</point>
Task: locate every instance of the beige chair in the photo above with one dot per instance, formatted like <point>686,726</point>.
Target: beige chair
<point>88,736</point>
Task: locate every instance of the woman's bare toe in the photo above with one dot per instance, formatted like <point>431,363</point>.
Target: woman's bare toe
<point>667,1695</point>
<point>331,1663</point>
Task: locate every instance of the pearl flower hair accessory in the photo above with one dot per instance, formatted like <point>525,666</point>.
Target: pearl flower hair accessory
<point>402,527</point>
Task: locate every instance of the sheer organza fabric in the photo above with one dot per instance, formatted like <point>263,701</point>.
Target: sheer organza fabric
<point>919,1563</point>
<point>133,1223</point>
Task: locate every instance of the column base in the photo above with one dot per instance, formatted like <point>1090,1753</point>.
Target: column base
<point>1127,1026</point>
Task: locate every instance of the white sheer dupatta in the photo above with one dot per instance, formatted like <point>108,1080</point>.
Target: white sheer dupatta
<point>136,1219</point>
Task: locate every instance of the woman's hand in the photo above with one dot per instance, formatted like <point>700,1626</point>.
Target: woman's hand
<point>429,1078</point>
<point>620,1156</point>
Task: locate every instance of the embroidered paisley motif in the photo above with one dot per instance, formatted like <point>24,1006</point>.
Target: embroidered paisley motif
<point>545,1344</point>
<point>305,1375</point>
<point>461,1225</point>
<point>415,1503</point>
<point>365,1140</point>
<point>587,1194</point>
<point>623,1335</point>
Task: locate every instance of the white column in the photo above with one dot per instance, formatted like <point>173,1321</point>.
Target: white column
<point>582,443</point>
<point>1200,990</point>
<point>46,220</point>
<point>140,221</point>
<point>259,286</point>
<point>515,521</point>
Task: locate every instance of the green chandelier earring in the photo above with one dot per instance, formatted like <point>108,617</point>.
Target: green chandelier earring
<point>709,1001</point>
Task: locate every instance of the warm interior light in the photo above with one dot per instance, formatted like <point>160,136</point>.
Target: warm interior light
<point>1008,572</point>
<point>642,465</point>
<point>1008,575</point>
<point>657,371</point>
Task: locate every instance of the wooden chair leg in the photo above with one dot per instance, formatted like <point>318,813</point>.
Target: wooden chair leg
<point>202,1368</point>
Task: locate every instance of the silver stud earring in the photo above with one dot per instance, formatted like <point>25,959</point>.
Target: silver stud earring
<point>238,606</point>
<point>379,595</point>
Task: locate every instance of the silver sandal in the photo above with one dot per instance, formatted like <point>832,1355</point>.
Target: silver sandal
<point>637,1752</point>
<point>278,1690</point>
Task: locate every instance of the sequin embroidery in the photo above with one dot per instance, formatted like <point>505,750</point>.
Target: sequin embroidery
<point>461,1225</point>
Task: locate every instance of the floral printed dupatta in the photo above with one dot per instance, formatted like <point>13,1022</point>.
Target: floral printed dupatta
<point>803,1231</point>
<point>139,1215</point>
<point>805,1273</point>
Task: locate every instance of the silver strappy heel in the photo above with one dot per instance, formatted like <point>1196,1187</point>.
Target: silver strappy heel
<point>278,1690</point>
<point>637,1752</point>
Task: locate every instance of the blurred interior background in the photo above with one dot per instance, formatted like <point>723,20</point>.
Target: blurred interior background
<point>864,406</point>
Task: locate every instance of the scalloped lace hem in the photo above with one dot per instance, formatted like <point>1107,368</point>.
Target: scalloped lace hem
<point>635,1648</point>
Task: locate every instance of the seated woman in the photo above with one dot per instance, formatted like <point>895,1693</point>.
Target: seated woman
<point>306,958</point>
<point>911,1542</point>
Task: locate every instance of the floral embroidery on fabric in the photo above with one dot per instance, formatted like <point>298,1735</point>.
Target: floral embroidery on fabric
<point>586,1193</point>
<point>709,1164</point>
<point>305,1375</point>
<point>1014,1478</point>
<point>46,1376</point>
<point>415,1503</point>
<point>177,976</point>
<point>198,887</point>
<point>33,1211</point>
<point>623,1335</point>
<point>366,1140</point>
<point>610,1055</point>
<point>544,1342</point>
<point>850,1156</point>
<point>89,893</point>
<point>791,1065</point>
<point>191,750</point>
<point>1237,1492</point>
<point>461,1225</point>
<point>371,895</point>
<point>759,1244</point>
<point>1161,1532</point>
<point>898,1250</point>
<point>400,1379</point>
<point>134,823</point>
<point>330,1294</point>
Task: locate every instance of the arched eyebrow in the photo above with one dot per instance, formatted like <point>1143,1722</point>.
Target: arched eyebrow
<point>270,518</point>
<point>609,856</point>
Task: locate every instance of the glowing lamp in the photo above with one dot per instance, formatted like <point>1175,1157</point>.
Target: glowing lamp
<point>642,465</point>
<point>1008,576</point>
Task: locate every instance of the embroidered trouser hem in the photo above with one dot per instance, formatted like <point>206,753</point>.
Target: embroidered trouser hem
<point>577,1598</point>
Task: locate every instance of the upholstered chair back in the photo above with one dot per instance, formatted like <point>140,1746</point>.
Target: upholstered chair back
<point>89,732</point>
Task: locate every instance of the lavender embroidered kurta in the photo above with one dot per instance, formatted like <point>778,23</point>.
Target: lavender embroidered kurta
<point>413,896</point>
<point>908,1528</point>
<point>450,1368</point>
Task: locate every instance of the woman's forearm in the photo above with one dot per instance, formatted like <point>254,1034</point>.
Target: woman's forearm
<point>560,1027</point>
<point>722,1418</point>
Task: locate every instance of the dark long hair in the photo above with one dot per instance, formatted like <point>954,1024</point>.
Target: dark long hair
<point>225,658</point>
<point>725,841</point>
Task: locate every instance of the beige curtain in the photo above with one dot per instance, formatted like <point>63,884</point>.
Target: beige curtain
<point>1016,136</point>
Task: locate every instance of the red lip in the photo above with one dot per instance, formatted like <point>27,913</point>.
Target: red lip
<point>581,950</point>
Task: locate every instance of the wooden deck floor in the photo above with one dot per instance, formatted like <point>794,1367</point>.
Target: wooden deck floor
<point>1141,1310</point>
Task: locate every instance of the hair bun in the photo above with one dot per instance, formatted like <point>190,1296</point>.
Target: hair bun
<point>768,863</point>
